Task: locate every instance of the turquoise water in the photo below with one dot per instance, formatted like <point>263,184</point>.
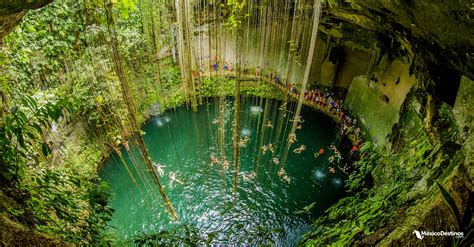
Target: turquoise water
<point>183,142</point>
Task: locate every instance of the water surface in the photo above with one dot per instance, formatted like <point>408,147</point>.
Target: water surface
<point>183,142</point>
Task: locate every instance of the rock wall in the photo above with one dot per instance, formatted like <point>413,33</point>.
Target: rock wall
<point>377,102</point>
<point>12,11</point>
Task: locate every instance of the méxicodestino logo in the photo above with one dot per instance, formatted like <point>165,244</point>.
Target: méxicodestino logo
<point>421,234</point>
<point>418,234</point>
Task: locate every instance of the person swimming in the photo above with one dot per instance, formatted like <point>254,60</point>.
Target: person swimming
<point>331,159</point>
<point>332,170</point>
<point>159,169</point>
<point>292,138</point>
<point>173,178</point>
<point>276,161</point>
<point>225,165</point>
<point>271,148</point>
<point>281,172</point>
<point>345,168</point>
<point>214,160</point>
<point>300,149</point>
<point>249,177</point>
<point>244,142</point>
<point>321,152</point>
<point>286,178</point>
<point>269,125</point>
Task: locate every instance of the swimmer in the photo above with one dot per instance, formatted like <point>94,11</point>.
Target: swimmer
<point>332,170</point>
<point>264,149</point>
<point>292,138</point>
<point>244,142</point>
<point>338,156</point>
<point>321,151</point>
<point>300,149</point>
<point>173,178</point>
<point>159,169</point>
<point>127,146</point>
<point>269,125</point>
<point>214,160</point>
<point>331,159</point>
<point>345,168</point>
<point>286,179</point>
<point>225,165</point>
<point>271,148</point>
<point>276,161</point>
<point>249,177</point>
<point>281,172</point>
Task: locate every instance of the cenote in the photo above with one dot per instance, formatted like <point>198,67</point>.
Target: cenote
<point>264,206</point>
<point>236,123</point>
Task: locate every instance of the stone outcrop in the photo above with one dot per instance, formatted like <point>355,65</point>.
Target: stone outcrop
<point>12,11</point>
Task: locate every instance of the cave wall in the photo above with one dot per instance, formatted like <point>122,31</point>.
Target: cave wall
<point>377,103</point>
<point>12,11</point>
<point>464,103</point>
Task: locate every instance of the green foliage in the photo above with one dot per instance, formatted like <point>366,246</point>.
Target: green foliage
<point>56,201</point>
<point>373,204</point>
<point>213,87</point>
<point>42,42</point>
<point>20,131</point>
<point>235,12</point>
<point>464,224</point>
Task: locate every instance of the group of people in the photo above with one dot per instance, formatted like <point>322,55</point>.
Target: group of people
<point>335,158</point>
<point>225,163</point>
<point>329,103</point>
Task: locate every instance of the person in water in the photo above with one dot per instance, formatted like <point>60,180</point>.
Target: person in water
<point>321,152</point>
<point>281,172</point>
<point>345,168</point>
<point>300,149</point>
<point>269,125</point>
<point>244,142</point>
<point>225,165</point>
<point>292,138</point>
<point>271,148</point>
<point>264,149</point>
<point>332,170</point>
<point>173,178</point>
<point>276,161</point>
<point>214,160</point>
<point>159,169</point>
<point>249,177</point>
<point>331,159</point>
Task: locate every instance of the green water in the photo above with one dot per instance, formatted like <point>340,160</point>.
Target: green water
<point>184,141</point>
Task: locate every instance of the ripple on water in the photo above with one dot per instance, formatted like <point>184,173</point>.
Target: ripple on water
<point>337,182</point>
<point>319,175</point>
<point>255,109</point>
<point>158,122</point>
<point>245,132</point>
